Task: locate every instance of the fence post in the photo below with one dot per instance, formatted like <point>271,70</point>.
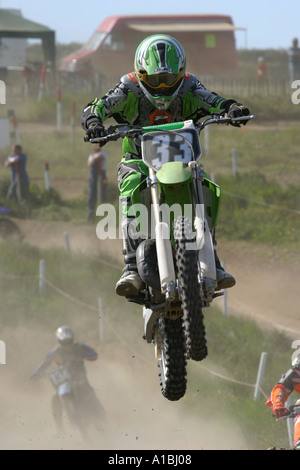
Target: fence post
<point>73,116</point>
<point>206,141</point>
<point>234,162</point>
<point>260,374</point>
<point>58,110</point>
<point>42,83</point>
<point>290,424</point>
<point>101,320</point>
<point>2,92</point>
<point>47,176</point>
<point>67,241</point>
<point>225,306</point>
<point>2,352</point>
<point>42,271</point>
<point>12,115</point>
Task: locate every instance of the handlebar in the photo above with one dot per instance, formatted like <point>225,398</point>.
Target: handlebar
<point>292,412</point>
<point>223,120</point>
<point>129,131</point>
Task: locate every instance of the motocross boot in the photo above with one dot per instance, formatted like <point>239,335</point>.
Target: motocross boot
<point>224,279</point>
<point>130,284</point>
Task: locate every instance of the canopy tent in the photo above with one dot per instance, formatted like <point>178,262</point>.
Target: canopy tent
<point>15,26</point>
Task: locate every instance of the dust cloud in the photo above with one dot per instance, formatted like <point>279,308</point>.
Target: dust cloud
<point>127,384</point>
<point>138,416</point>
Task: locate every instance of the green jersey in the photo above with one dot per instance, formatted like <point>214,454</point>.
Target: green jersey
<point>127,104</point>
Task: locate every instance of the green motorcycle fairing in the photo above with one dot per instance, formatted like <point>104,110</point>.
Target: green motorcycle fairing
<point>212,194</point>
<point>175,187</point>
<point>175,179</point>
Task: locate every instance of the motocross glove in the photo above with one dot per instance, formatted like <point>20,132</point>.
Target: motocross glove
<point>237,110</point>
<point>95,129</point>
<point>279,411</point>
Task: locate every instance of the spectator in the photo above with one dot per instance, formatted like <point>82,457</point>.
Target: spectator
<point>294,61</point>
<point>97,163</point>
<point>261,68</point>
<point>19,184</point>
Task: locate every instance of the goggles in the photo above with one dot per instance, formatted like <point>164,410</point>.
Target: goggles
<point>162,79</point>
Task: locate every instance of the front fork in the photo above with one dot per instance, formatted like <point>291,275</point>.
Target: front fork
<point>204,242</point>
<point>206,255</point>
<point>163,243</point>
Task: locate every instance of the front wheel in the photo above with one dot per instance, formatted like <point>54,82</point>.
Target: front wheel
<point>188,276</point>
<point>170,353</point>
<point>72,411</point>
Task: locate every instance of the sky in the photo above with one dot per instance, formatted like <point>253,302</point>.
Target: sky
<point>269,23</point>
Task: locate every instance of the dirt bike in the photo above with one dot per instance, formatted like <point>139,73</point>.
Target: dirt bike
<point>77,398</point>
<point>178,209</point>
<point>291,413</point>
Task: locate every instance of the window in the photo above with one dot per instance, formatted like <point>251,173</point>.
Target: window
<point>94,42</point>
<point>113,42</point>
<point>210,41</point>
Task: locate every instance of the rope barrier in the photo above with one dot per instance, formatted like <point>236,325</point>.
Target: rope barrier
<point>233,380</point>
<point>68,296</point>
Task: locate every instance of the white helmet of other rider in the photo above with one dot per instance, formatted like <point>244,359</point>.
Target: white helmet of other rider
<point>64,335</point>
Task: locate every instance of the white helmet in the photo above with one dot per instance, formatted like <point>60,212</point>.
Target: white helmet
<point>64,335</point>
<point>296,360</point>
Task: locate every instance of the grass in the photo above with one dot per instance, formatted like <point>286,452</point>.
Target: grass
<point>259,212</point>
<point>235,344</point>
<point>273,152</point>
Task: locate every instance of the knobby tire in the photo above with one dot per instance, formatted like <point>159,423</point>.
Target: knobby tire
<point>172,364</point>
<point>187,266</point>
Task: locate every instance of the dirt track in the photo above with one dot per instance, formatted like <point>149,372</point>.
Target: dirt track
<point>126,382</point>
<point>139,417</point>
<point>267,278</point>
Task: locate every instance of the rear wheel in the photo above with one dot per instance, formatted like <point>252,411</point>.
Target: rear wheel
<point>187,265</point>
<point>171,360</point>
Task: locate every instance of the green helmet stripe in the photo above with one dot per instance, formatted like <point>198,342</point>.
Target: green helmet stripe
<point>159,51</point>
<point>160,54</point>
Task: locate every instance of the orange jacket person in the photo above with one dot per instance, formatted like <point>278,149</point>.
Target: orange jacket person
<point>289,382</point>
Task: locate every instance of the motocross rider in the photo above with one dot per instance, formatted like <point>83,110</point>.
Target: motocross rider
<point>289,382</point>
<point>70,352</point>
<point>158,91</point>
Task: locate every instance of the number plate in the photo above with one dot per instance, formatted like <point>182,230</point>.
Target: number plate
<point>60,376</point>
<point>160,147</point>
